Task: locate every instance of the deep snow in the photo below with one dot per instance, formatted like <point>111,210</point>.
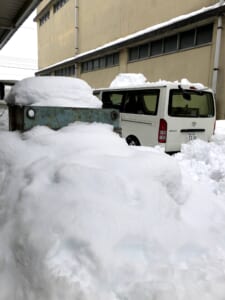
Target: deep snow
<point>53,91</point>
<point>85,216</point>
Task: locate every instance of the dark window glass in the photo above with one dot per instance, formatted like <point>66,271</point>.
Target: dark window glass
<point>109,60</point>
<point>84,67</point>
<point>144,51</point>
<point>113,99</point>
<point>72,70</point>
<point>204,34</point>
<point>196,105</point>
<point>102,62</point>
<point>90,65</point>
<point>187,39</point>
<point>170,43</point>
<point>96,63</point>
<point>141,102</point>
<point>147,102</point>
<point>116,58</point>
<point>133,53</point>
<point>156,47</point>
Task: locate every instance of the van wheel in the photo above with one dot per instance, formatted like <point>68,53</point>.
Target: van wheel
<point>132,141</point>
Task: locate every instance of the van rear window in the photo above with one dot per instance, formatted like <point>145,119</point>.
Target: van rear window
<point>191,104</point>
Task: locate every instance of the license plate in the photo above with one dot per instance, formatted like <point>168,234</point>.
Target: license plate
<point>191,137</point>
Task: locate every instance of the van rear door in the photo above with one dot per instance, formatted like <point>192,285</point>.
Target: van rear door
<point>191,115</point>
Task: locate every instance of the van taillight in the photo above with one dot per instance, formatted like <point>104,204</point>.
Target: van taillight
<point>162,131</point>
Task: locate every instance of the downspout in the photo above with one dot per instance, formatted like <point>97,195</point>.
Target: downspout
<point>217,51</point>
<point>76,27</point>
<point>76,34</point>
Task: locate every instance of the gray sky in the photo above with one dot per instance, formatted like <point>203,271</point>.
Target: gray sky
<point>18,58</point>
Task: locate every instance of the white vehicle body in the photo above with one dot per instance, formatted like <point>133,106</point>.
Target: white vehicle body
<point>167,114</point>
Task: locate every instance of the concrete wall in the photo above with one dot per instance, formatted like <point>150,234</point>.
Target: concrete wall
<point>195,65</point>
<point>56,37</point>
<point>103,21</point>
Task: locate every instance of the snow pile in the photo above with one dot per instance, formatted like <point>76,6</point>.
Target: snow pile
<point>205,162</point>
<point>53,91</point>
<point>124,80</point>
<point>128,79</point>
<point>98,219</point>
<point>186,82</point>
<point>84,216</point>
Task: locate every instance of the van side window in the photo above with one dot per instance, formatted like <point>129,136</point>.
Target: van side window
<point>113,99</point>
<point>142,102</point>
<point>150,102</point>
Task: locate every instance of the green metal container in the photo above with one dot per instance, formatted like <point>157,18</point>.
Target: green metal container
<point>23,118</point>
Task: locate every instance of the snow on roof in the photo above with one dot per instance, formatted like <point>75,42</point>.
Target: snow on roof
<point>53,91</point>
<point>128,80</point>
<point>138,33</point>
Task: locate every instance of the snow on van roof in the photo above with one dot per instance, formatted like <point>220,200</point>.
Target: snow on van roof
<point>53,91</point>
<point>128,80</point>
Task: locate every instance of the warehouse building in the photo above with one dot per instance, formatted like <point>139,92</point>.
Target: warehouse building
<point>170,40</point>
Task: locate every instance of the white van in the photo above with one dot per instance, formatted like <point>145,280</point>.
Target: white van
<point>167,114</point>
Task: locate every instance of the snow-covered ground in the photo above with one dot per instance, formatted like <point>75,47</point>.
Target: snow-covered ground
<point>85,216</point>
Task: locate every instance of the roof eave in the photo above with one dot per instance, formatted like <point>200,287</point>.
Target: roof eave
<point>19,22</point>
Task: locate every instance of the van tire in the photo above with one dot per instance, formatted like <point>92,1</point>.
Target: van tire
<point>133,141</point>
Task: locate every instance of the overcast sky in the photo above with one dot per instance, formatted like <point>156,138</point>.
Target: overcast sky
<point>18,58</point>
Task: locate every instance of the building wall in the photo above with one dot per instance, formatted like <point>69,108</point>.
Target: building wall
<point>123,17</point>
<point>56,36</point>
<point>177,66</point>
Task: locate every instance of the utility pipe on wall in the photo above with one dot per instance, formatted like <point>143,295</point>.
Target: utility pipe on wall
<point>76,26</point>
<point>217,51</point>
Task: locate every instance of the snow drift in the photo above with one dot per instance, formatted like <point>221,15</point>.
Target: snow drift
<point>84,216</point>
<point>96,219</point>
<point>53,91</point>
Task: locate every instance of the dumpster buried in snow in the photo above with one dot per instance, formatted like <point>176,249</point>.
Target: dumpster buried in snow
<point>56,102</point>
<point>25,117</point>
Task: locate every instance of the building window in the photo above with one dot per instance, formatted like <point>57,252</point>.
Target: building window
<point>109,60</point>
<point>156,47</point>
<point>139,52</point>
<point>102,64</point>
<point>134,53</point>
<point>144,51</point>
<point>170,44</point>
<point>44,18</point>
<point>84,67</point>
<point>106,61</point>
<point>59,4</point>
<point>96,64</point>
<point>204,34</point>
<point>65,71</point>
<point>116,59</point>
<point>183,40</point>
<point>187,39</point>
<point>90,65</point>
